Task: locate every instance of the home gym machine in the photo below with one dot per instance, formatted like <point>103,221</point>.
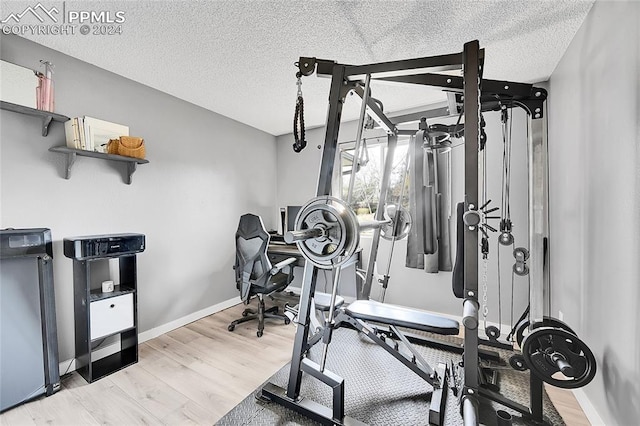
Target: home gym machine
<point>327,233</point>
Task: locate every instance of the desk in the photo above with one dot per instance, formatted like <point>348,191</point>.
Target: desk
<point>348,278</point>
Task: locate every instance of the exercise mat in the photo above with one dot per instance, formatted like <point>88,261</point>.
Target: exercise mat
<point>379,390</point>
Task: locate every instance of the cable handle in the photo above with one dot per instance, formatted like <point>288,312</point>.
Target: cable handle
<point>298,119</point>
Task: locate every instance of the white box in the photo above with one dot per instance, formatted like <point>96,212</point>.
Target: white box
<point>111,315</point>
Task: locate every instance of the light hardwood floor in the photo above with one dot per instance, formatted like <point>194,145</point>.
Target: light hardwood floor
<point>192,375</point>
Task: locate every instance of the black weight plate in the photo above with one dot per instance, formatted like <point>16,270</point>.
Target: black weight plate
<point>492,332</point>
<point>542,343</point>
<point>518,363</point>
<point>523,327</point>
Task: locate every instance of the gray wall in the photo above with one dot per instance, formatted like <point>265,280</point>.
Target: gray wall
<point>594,133</point>
<point>186,201</point>
<point>297,179</point>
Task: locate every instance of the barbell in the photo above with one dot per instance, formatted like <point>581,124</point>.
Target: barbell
<point>327,231</point>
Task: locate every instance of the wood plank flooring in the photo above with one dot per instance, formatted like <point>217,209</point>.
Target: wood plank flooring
<point>192,375</point>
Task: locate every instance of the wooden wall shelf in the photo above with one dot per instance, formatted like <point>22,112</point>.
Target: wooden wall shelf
<point>46,116</point>
<point>71,154</point>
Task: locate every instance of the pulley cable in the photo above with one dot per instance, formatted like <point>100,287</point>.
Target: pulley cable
<point>491,331</point>
<point>506,237</point>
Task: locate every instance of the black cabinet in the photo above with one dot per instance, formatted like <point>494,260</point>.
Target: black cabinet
<point>100,316</point>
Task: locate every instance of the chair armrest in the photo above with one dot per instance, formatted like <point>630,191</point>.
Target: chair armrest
<point>278,266</point>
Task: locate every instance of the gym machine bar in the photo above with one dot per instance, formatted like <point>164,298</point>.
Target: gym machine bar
<point>358,147</point>
<point>538,217</point>
<point>472,72</point>
<point>469,412</point>
<point>455,84</point>
<point>365,290</point>
<point>307,234</point>
<point>336,100</point>
<point>376,113</point>
<point>434,63</point>
<point>470,314</point>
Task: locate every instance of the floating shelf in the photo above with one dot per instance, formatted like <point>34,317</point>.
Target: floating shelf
<point>47,117</point>
<point>71,154</point>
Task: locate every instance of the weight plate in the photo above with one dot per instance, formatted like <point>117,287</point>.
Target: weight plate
<point>340,237</point>
<point>492,332</point>
<point>559,358</point>
<point>400,223</point>
<point>518,363</point>
<point>522,329</point>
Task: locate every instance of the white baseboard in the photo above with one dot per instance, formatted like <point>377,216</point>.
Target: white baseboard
<point>70,364</point>
<point>588,408</point>
<point>165,328</point>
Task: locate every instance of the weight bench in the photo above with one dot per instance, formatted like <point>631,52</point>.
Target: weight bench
<point>401,316</point>
<point>359,312</point>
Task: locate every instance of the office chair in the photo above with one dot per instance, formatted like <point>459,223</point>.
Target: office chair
<point>255,276</point>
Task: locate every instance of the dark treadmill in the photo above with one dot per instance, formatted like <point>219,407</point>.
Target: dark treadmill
<point>400,316</point>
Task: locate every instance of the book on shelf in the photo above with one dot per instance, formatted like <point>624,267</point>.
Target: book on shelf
<point>71,133</point>
<point>92,134</point>
<point>81,134</point>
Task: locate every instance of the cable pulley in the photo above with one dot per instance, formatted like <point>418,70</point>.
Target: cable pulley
<point>521,255</point>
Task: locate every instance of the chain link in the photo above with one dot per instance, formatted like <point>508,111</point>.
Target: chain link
<point>299,84</point>
<point>485,307</point>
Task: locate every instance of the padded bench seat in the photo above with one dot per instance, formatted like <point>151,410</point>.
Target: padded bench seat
<point>323,301</point>
<point>400,316</point>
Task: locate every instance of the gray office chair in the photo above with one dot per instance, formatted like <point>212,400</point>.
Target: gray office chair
<point>255,276</point>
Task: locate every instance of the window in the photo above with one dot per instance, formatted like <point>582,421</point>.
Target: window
<point>368,177</point>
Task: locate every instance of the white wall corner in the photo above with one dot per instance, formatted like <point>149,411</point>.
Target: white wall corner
<point>588,408</point>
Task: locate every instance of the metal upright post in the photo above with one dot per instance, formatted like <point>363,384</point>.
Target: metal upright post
<point>471,73</point>
<point>302,331</point>
<point>336,98</point>
<point>538,217</point>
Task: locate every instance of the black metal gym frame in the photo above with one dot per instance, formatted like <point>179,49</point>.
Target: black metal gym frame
<point>493,96</point>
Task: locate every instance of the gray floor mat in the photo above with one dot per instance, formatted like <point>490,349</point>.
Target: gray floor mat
<point>379,390</point>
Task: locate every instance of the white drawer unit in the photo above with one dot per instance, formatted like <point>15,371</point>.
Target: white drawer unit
<point>111,315</point>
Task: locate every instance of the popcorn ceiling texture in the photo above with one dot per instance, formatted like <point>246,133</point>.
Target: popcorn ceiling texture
<point>236,57</point>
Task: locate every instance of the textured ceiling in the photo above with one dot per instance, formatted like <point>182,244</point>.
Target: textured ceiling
<point>236,57</point>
